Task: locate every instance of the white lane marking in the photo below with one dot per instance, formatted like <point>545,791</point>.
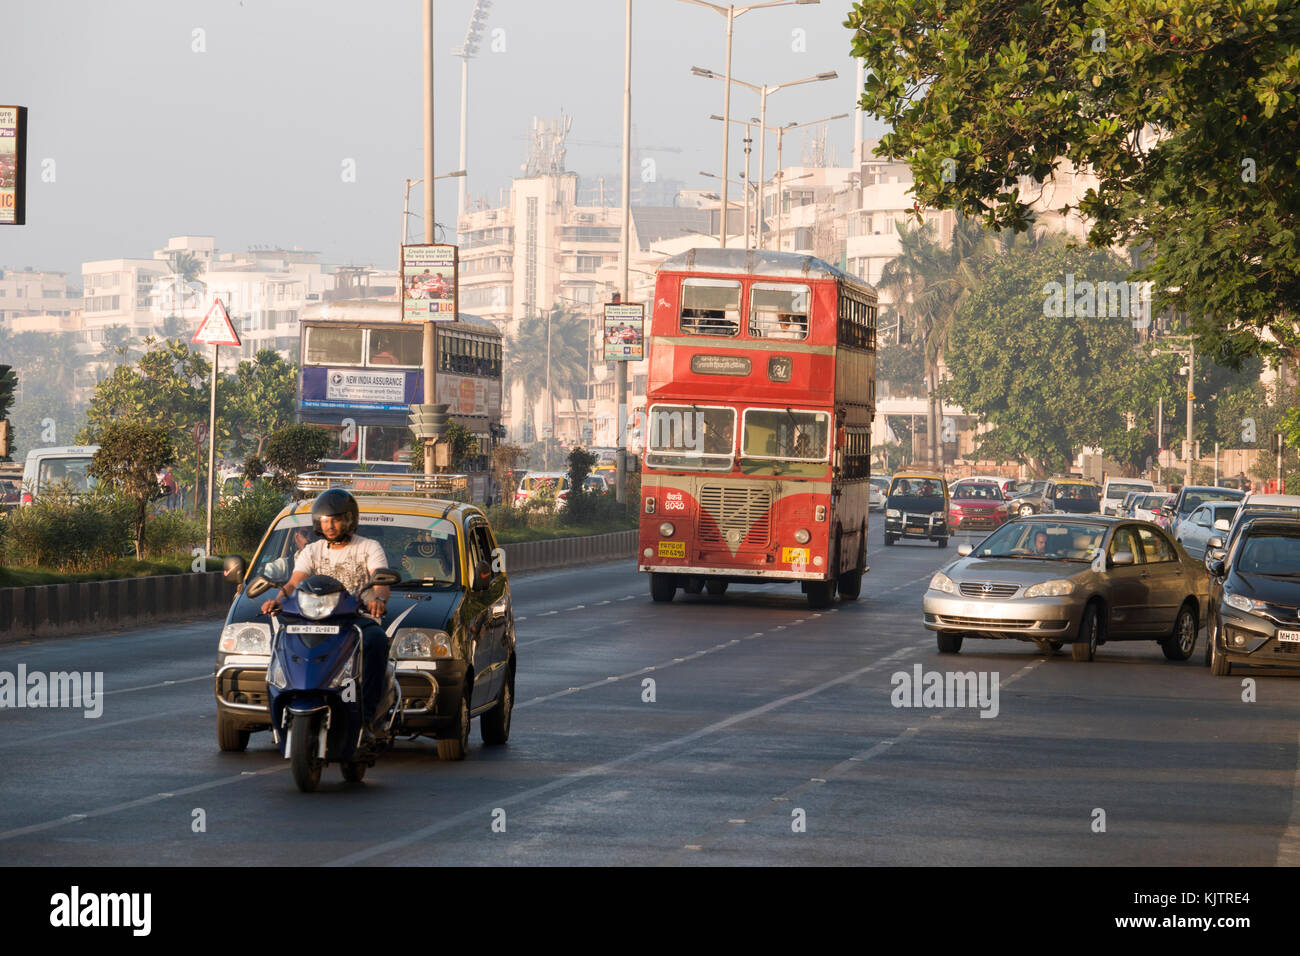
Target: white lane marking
<point>600,603</point>
<point>130,804</point>
<point>166,683</point>
<point>628,598</point>
<point>570,636</point>
<point>92,725</point>
<point>478,813</point>
<point>548,613</point>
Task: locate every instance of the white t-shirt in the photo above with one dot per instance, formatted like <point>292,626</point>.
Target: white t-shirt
<point>351,564</point>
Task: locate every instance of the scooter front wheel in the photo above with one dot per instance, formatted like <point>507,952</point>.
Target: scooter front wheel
<point>303,748</point>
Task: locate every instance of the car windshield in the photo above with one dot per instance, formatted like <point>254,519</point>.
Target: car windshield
<point>1076,492</point>
<point>1044,540</point>
<point>1152,501</point>
<point>1117,490</point>
<point>977,491</point>
<point>1031,488</point>
<point>1194,499</point>
<point>916,488</point>
<point>547,482</point>
<point>74,471</point>
<point>423,550</point>
<point>1276,555</point>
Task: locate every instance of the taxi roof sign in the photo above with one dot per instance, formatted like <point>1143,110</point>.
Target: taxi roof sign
<point>216,327</point>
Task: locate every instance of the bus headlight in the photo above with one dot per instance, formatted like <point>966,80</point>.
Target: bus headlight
<point>802,536</point>
<point>666,529</point>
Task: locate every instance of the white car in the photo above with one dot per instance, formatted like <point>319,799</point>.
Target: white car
<point>1112,494</point>
<point>556,482</point>
<point>876,494</point>
<point>1144,507</point>
<point>46,466</point>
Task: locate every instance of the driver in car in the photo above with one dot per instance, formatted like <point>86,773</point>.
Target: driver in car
<point>1040,543</point>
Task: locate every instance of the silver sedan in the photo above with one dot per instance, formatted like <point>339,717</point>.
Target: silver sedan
<point>1083,580</point>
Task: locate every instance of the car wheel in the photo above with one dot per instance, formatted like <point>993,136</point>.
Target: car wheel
<point>1026,510</point>
<point>230,738</point>
<point>1211,635</point>
<point>1179,645</point>
<point>889,538</point>
<point>716,588</point>
<point>942,542</point>
<point>948,643</point>
<point>354,772</point>
<point>494,726</point>
<point>1219,665</point>
<point>1084,647</point>
<point>662,587</point>
<point>455,748</point>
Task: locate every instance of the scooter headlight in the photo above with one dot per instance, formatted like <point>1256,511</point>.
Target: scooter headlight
<point>316,606</point>
<point>344,673</point>
<point>245,639</point>
<point>275,674</point>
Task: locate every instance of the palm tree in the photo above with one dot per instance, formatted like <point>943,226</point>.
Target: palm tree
<point>930,281</point>
<point>566,371</point>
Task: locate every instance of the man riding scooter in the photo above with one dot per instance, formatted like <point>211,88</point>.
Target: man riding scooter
<point>344,555</point>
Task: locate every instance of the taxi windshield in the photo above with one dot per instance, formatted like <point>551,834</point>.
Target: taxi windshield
<point>423,550</point>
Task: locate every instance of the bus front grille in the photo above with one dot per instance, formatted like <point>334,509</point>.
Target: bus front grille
<point>737,517</point>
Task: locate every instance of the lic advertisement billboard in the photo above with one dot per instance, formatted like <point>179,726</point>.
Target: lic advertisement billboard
<point>13,165</point>
<point>429,283</point>
<point>624,333</point>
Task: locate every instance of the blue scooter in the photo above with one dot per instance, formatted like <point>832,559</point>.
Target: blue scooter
<point>315,679</point>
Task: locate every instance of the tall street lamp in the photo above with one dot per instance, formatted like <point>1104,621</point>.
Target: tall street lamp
<point>466,51</point>
<point>763,92</point>
<point>730,11</point>
<point>406,205</point>
<point>780,169</point>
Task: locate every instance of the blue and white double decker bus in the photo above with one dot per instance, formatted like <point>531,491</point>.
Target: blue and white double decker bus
<point>361,370</point>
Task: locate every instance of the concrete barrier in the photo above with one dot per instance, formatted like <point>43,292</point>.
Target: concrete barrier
<point>84,607</point>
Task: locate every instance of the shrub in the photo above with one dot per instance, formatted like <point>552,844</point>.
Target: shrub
<point>172,532</point>
<point>64,530</point>
<point>238,525</point>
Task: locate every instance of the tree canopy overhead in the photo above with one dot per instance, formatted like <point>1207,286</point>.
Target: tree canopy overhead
<point>1186,112</point>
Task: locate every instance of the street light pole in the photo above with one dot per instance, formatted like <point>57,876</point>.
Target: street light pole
<point>429,342</point>
<point>1191,371</point>
<point>620,372</point>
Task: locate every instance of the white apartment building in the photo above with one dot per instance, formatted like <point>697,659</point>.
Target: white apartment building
<point>26,292</point>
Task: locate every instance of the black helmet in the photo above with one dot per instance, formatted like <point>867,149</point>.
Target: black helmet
<point>339,503</point>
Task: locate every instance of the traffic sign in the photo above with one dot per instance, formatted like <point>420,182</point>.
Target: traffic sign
<point>200,432</point>
<point>216,328</point>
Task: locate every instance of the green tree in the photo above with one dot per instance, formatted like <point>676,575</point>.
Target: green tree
<point>1048,384</point>
<point>129,458</point>
<point>295,449</point>
<point>266,397</point>
<point>1183,111</point>
<point>579,503</point>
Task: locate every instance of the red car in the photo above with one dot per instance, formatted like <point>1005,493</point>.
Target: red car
<point>976,506</point>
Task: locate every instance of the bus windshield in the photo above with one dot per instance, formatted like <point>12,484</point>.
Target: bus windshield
<point>691,437</point>
<point>785,442</point>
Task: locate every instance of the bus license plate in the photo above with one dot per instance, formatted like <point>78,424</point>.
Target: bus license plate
<point>312,629</point>
<point>794,556</point>
<point>1289,637</point>
<point>672,549</point>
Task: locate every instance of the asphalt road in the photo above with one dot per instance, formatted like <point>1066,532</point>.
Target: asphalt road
<point>771,739</point>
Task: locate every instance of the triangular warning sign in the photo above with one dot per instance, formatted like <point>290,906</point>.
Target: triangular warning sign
<point>216,328</point>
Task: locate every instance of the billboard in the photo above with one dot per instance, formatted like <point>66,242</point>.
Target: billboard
<point>624,332</point>
<point>13,165</point>
<point>429,281</point>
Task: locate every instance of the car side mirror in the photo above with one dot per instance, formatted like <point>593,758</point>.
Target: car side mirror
<point>1215,542</point>
<point>384,577</point>
<point>1120,558</point>
<point>1223,524</point>
<point>1217,568</point>
<point>482,576</point>
<point>258,586</point>
<point>233,569</point>
<point>963,550</point>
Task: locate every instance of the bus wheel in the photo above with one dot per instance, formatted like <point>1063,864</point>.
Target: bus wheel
<point>820,594</point>
<point>662,587</point>
<point>716,587</point>
<point>693,586</point>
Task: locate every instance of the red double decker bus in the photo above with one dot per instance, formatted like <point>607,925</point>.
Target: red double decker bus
<point>757,451</point>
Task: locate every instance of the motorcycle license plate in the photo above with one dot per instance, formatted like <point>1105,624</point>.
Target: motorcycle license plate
<point>312,629</point>
<point>1289,637</point>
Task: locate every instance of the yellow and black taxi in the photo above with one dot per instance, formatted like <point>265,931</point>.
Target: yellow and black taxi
<point>917,507</point>
<point>449,618</point>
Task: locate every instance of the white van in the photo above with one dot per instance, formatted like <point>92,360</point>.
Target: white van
<point>1117,489</point>
<point>46,466</point>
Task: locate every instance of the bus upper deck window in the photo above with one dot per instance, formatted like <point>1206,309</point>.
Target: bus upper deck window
<point>396,347</point>
<point>778,310</point>
<point>333,346</point>
<point>710,307</point>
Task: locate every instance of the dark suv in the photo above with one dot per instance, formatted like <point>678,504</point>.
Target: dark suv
<point>1255,598</point>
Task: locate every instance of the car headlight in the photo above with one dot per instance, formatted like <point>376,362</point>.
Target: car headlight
<point>275,673</point>
<point>316,606</point>
<point>941,582</point>
<point>891,513</point>
<point>245,639</point>
<point>1242,603</point>
<point>1050,589</point>
<point>421,644</point>
<point>666,529</point>
<point>802,536</point>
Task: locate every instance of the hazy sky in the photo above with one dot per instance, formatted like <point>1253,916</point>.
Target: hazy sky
<point>145,138</point>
